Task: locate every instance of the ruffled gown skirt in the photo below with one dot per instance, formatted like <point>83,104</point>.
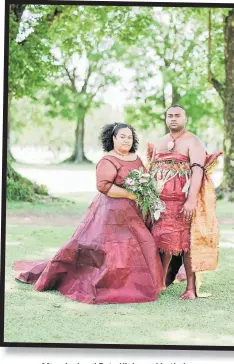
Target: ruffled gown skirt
<point>111,258</point>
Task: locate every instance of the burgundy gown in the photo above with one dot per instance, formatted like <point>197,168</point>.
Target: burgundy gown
<point>111,257</point>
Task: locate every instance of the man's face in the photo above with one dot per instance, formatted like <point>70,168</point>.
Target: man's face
<point>175,119</point>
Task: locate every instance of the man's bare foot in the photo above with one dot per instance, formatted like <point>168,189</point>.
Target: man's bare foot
<point>164,288</point>
<point>189,294</point>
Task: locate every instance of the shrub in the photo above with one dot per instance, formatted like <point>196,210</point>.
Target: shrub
<point>20,188</point>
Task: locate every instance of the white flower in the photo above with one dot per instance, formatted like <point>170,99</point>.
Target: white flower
<point>159,185</point>
<point>143,180</point>
<point>130,182</point>
<point>157,214</point>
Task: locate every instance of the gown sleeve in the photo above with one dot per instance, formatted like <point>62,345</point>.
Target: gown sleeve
<point>106,173</point>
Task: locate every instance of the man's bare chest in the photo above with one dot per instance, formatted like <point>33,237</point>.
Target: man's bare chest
<point>181,147</point>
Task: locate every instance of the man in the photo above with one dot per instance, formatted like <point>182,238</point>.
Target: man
<point>178,160</point>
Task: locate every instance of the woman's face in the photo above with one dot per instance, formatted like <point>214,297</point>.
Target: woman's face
<point>123,140</point>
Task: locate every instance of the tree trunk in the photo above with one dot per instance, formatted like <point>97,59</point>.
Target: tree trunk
<point>78,155</point>
<point>175,95</point>
<point>164,104</point>
<point>8,127</point>
<point>229,103</point>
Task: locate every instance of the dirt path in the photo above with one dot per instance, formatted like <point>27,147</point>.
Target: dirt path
<point>61,180</point>
<point>73,180</point>
<point>44,219</point>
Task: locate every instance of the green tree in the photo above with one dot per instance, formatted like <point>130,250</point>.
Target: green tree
<point>221,76</point>
<point>172,59</point>
<point>87,54</point>
<point>24,59</point>
<point>29,51</point>
<point>53,44</point>
<point>79,94</point>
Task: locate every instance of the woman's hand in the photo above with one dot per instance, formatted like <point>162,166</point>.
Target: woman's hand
<point>131,196</point>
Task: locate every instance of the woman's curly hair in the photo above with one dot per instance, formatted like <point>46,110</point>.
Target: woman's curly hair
<point>110,130</point>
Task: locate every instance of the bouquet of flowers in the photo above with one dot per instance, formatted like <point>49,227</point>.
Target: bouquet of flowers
<point>143,186</point>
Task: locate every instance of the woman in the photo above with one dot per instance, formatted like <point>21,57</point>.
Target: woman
<point>111,257</point>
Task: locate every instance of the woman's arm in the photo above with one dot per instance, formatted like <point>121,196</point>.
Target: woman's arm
<point>105,176</point>
<point>118,192</point>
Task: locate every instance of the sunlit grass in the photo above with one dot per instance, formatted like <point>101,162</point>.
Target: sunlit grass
<point>48,317</point>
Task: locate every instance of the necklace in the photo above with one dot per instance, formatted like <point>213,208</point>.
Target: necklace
<point>171,143</point>
<point>122,155</point>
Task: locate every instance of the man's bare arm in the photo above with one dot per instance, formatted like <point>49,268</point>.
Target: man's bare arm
<point>197,155</point>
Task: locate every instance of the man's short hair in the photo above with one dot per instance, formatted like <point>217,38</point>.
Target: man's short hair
<point>175,105</point>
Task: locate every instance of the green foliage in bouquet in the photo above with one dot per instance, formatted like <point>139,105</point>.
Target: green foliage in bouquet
<point>143,186</point>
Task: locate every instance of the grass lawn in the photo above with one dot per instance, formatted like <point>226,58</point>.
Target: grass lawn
<point>36,231</point>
